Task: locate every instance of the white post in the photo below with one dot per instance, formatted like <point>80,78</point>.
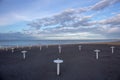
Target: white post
<point>112,47</point>
<point>24,54</point>
<point>40,48</point>
<point>58,68</point>
<point>97,51</point>
<point>59,48</point>
<point>97,55</point>
<point>58,61</point>
<point>79,47</point>
<point>12,50</point>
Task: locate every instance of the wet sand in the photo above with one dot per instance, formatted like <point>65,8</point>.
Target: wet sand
<point>77,65</point>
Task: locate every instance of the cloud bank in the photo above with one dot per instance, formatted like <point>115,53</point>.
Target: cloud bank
<point>73,23</point>
<point>15,36</point>
<point>103,4</point>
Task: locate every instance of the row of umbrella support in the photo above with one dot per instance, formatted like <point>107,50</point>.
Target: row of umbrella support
<point>23,52</point>
<point>96,50</point>
<point>59,61</point>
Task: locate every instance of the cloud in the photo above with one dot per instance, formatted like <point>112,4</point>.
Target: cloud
<point>107,28</point>
<point>14,15</point>
<point>103,4</point>
<point>72,21</point>
<point>68,18</point>
<point>71,17</point>
<point>68,24</point>
<point>12,18</point>
<point>110,26</point>
<point>15,11</point>
<point>15,36</point>
<point>68,35</point>
<point>113,21</point>
<point>114,30</point>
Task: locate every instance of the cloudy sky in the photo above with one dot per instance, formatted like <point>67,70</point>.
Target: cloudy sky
<point>59,19</point>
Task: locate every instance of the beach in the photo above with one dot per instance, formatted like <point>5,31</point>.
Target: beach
<point>77,64</point>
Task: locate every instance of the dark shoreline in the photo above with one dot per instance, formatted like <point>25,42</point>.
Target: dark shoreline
<point>15,43</point>
<point>78,65</point>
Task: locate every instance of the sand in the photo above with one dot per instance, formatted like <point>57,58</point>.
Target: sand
<point>77,65</point>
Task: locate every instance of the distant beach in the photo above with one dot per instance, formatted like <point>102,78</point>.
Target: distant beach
<point>14,43</point>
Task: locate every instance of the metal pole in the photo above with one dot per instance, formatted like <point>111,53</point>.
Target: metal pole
<point>97,51</point>
<point>12,50</point>
<point>58,69</point>
<point>59,47</point>
<point>112,47</point>
<point>96,55</point>
<point>24,55</point>
<point>79,47</point>
<point>112,50</point>
<point>58,61</point>
<point>40,48</point>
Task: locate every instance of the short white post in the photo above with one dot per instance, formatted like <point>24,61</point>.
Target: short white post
<point>97,51</point>
<point>79,47</point>
<point>58,69</point>
<point>12,50</point>
<point>59,48</point>
<point>58,61</point>
<point>40,47</point>
<point>112,47</point>
<point>24,54</point>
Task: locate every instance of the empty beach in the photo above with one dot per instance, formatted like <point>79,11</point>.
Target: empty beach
<point>78,64</point>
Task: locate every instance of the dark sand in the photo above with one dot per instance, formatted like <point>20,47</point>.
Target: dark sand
<point>78,65</point>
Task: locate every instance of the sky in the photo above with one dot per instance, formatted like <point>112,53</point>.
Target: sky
<point>59,19</point>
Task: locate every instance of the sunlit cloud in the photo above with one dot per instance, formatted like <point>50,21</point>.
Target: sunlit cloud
<point>115,20</point>
<point>103,4</point>
<point>71,22</point>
